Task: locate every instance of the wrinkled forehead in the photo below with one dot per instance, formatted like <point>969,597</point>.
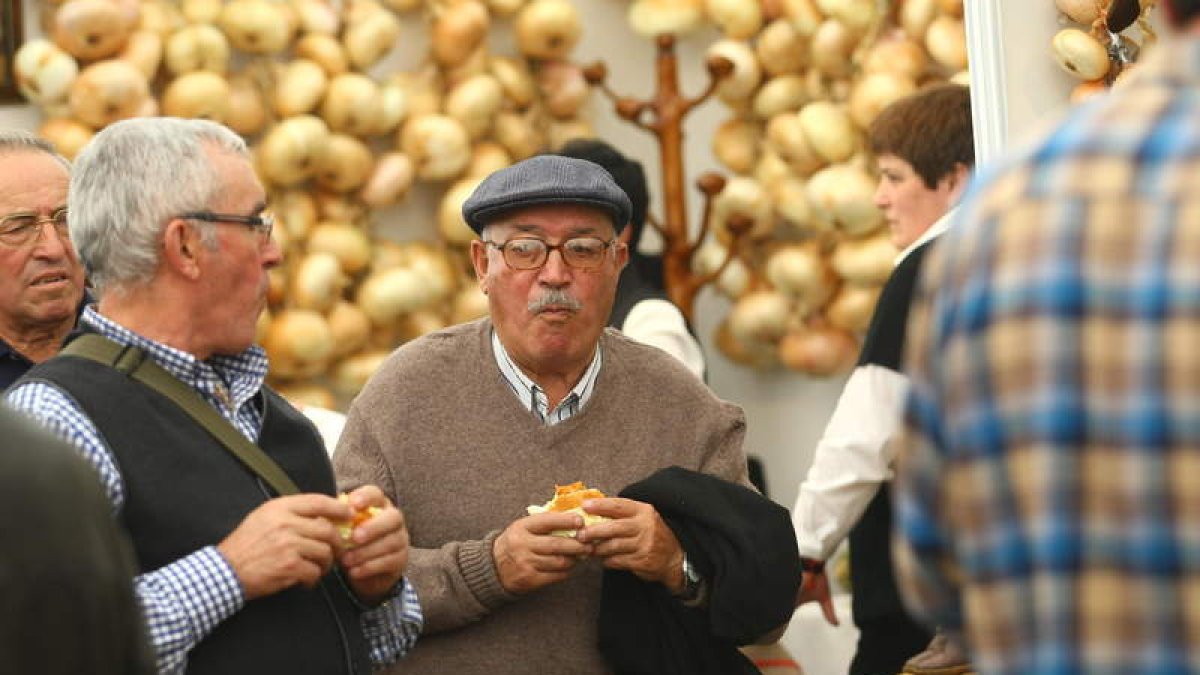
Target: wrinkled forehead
<point>27,175</point>
<point>553,221</point>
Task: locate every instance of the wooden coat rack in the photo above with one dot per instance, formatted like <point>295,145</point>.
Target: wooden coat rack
<point>663,115</point>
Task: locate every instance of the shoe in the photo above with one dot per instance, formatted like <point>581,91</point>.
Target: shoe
<point>943,656</point>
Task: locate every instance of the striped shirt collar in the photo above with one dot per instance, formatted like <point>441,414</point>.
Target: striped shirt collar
<point>531,395</point>
<point>229,380</point>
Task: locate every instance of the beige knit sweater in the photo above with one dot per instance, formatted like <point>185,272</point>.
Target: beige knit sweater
<point>441,432</point>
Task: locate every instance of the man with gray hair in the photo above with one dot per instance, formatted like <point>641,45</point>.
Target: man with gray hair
<point>41,280</point>
<point>224,488</point>
<point>469,426</point>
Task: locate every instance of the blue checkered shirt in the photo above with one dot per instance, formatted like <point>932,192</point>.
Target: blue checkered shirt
<point>185,600</point>
<point>1048,488</point>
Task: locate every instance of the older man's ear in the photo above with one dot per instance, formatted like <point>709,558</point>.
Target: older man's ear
<point>479,261</point>
<point>181,245</point>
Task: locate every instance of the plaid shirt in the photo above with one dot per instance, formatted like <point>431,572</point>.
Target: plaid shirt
<point>185,600</point>
<point>1048,492</point>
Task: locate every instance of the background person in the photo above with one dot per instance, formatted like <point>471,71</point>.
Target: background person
<point>41,280</point>
<point>1046,485</point>
<point>922,175</point>
<point>168,217</point>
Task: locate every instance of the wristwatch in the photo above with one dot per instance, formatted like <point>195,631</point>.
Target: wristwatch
<point>693,583</point>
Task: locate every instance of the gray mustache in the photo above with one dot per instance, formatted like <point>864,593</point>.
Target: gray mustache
<point>558,299</point>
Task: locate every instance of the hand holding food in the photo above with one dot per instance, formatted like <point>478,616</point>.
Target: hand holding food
<point>635,538</point>
<point>284,542</point>
<point>373,544</point>
<point>346,528</point>
<point>540,549</point>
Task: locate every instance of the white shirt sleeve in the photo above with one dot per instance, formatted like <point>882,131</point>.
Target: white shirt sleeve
<point>660,324</point>
<point>854,456</point>
<point>329,424</point>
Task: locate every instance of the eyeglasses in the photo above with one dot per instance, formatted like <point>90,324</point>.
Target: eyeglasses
<point>583,253</point>
<point>19,229</point>
<point>262,223</point>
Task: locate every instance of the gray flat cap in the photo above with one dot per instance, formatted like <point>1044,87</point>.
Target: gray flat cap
<point>546,179</point>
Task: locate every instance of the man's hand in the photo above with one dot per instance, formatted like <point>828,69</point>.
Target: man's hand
<point>815,586</point>
<point>528,557</point>
<point>636,539</point>
<point>286,541</point>
<point>377,561</point>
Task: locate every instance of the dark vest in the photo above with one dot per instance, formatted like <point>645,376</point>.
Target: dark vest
<point>185,491</point>
<point>633,286</point>
<point>875,592</point>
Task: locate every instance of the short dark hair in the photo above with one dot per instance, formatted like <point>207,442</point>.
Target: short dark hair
<point>626,172</point>
<point>930,129</point>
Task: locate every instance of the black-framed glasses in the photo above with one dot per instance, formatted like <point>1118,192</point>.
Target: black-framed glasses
<point>262,223</point>
<point>23,227</point>
<point>583,253</point>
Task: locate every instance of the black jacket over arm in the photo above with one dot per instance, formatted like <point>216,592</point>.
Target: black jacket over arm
<point>744,546</point>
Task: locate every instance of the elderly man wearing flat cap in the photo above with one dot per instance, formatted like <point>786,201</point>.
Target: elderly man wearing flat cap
<point>467,426</point>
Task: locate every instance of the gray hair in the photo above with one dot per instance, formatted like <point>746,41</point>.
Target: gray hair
<point>130,180</point>
<point>13,141</point>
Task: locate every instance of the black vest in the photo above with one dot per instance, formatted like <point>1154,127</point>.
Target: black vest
<point>185,491</point>
<point>875,592</point>
<point>633,286</point>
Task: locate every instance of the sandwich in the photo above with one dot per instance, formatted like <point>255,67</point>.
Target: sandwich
<point>569,499</point>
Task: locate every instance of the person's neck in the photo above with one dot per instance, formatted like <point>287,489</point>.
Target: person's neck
<point>141,311</point>
<point>39,342</point>
<point>557,389</point>
<point>556,381</point>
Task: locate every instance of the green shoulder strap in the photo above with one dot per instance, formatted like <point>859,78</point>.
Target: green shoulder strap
<point>132,362</point>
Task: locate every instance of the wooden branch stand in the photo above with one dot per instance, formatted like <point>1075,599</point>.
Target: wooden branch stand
<point>663,115</point>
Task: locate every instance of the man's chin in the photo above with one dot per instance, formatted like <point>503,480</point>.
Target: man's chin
<point>55,308</point>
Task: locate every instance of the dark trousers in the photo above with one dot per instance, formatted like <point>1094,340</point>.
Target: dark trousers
<point>885,643</point>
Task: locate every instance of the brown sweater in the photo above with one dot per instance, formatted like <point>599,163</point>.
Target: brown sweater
<point>441,432</point>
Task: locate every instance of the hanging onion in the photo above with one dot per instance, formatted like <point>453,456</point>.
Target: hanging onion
<point>298,343</point>
<point>820,350</point>
<point>44,72</point>
<point>318,282</point>
<point>1080,54</point>
<point>547,29</point>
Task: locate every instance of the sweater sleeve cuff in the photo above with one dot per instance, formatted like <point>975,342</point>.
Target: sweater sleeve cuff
<point>478,569</point>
